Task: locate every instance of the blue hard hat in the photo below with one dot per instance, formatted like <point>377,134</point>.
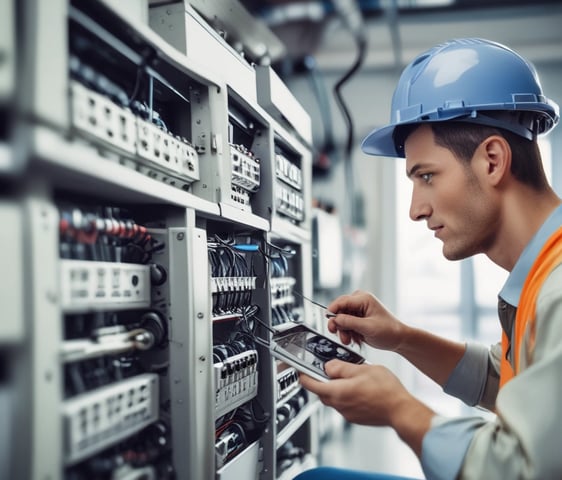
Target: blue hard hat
<point>472,80</point>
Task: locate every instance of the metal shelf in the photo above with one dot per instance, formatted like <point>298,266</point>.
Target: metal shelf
<point>285,434</point>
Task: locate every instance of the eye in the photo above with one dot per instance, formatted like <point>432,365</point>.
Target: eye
<point>426,177</point>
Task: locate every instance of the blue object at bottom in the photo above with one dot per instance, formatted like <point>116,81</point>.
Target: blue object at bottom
<point>330,473</point>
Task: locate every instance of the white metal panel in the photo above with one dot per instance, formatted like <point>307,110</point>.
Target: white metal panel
<point>275,97</point>
<point>7,50</point>
<point>12,288</point>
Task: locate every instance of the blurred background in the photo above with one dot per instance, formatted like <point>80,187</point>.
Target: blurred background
<point>341,59</point>
<point>366,44</point>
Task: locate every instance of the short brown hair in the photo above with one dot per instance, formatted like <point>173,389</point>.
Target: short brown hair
<point>463,138</point>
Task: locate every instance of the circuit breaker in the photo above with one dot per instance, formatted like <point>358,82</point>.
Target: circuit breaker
<point>158,191</point>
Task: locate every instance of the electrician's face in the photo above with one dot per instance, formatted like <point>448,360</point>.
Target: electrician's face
<point>448,195</point>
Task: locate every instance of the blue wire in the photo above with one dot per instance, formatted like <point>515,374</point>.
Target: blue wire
<point>246,247</point>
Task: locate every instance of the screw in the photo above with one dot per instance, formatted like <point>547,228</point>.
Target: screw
<point>51,296</point>
<point>179,236</point>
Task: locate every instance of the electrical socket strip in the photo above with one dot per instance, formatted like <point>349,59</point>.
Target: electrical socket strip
<point>187,159</point>
<point>236,381</point>
<point>232,284</point>
<point>287,384</point>
<point>282,290</point>
<point>88,285</point>
<point>288,172</point>
<point>245,170</point>
<point>289,202</point>
<point>97,115</point>
<point>96,420</point>
<point>166,151</point>
<point>240,197</point>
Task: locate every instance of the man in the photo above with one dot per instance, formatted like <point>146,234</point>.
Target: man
<point>466,115</point>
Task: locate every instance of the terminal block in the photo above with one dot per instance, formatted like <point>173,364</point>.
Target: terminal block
<point>88,285</point>
<point>101,418</point>
<point>236,381</point>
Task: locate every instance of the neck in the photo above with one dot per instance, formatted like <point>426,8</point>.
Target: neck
<point>524,212</point>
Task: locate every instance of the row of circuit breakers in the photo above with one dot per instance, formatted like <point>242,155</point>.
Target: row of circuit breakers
<point>132,103</point>
<point>115,347</point>
<point>136,114</point>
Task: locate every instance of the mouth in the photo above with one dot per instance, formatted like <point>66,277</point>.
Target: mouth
<point>436,230</point>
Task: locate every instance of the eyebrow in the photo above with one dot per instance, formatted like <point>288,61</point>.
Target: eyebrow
<point>413,170</point>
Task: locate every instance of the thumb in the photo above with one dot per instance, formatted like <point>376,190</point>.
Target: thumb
<point>340,369</point>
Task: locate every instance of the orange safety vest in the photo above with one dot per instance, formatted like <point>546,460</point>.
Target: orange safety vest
<point>547,260</point>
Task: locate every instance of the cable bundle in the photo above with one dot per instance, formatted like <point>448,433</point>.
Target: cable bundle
<point>106,234</point>
<point>232,279</point>
<point>238,432</point>
<point>282,285</point>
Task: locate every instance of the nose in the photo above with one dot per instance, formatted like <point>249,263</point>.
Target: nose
<point>420,208</point>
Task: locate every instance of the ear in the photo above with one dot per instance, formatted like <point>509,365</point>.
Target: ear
<point>495,154</point>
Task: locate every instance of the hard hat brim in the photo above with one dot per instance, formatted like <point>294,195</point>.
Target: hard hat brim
<point>380,142</point>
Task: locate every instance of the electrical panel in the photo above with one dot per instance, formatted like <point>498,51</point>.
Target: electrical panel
<point>114,348</point>
<point>157,185</point>
<point>8,158</point>
<point>290,300</point>
<point>126,102</point>
<point>7,47</point>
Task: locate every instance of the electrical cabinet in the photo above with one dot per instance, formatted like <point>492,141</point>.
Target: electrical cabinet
<point>159,213</point>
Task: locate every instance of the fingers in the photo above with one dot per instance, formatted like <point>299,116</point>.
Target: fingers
<point>319,388</point>
<point>336,369</point>
<point>328,392</point>
<point>340,369</point>
<point>349,319</point>
<point>346,337</point>
<point>345,323</point>
<point>346,334</point>
<point>353,303</point>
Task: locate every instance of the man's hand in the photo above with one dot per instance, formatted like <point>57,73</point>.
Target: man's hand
<point>372,395</point>
<point>360,317</point>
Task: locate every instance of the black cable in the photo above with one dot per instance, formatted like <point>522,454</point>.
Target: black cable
<point>361,53</point>
<point>265,325</point>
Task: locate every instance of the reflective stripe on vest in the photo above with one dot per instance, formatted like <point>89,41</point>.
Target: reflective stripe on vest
<point>547,260</point>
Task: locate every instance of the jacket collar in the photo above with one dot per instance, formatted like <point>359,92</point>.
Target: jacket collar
<point>511,290</point>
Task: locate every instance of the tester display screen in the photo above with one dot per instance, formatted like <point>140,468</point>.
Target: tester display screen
<point>311,350</point>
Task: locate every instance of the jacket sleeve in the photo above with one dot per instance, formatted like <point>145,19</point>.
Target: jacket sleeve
<point>475,379</point>
<point>445,445</point>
